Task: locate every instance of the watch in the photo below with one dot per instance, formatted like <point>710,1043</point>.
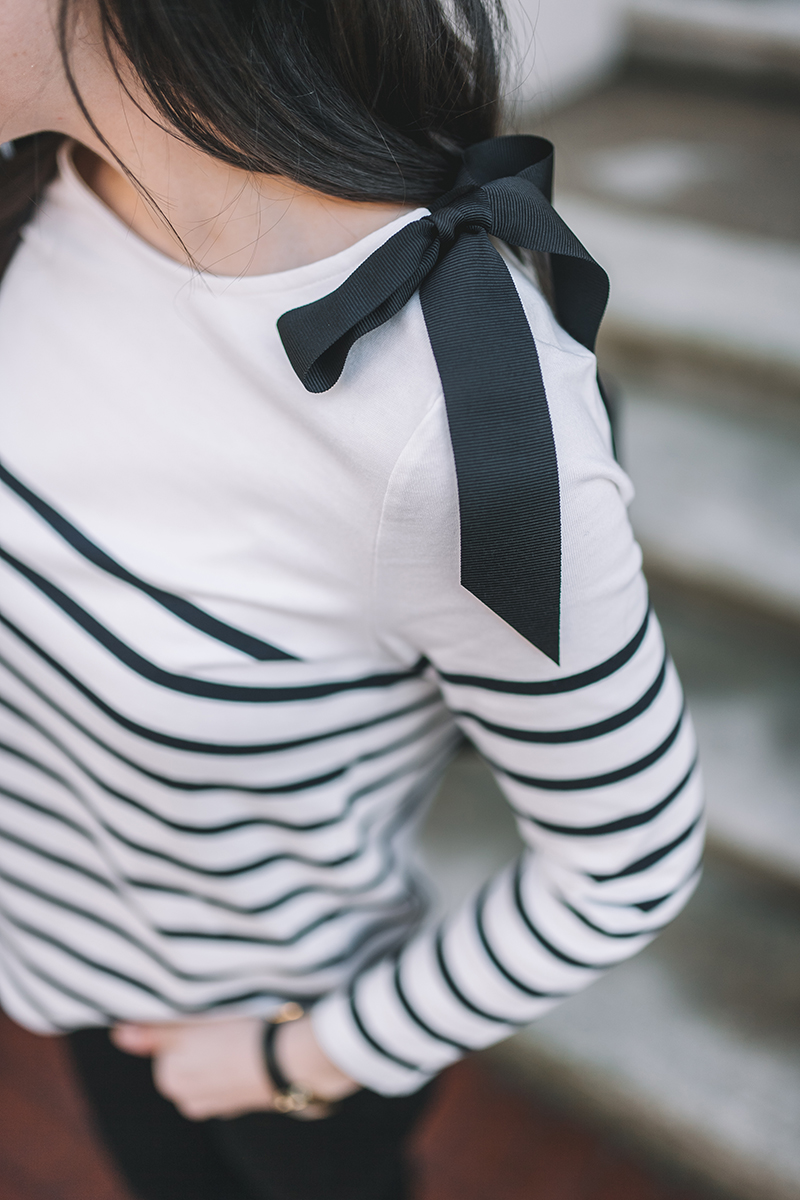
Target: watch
<point>289,1098</point>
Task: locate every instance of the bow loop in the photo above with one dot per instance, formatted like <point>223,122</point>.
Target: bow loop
<point>497,411</point>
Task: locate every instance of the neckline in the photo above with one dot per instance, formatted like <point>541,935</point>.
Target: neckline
<point>338,265</point>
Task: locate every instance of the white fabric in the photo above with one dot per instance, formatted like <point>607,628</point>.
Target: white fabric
<point>188,828</point>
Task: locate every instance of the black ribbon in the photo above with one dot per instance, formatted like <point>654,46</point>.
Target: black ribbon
<point>496,404</point>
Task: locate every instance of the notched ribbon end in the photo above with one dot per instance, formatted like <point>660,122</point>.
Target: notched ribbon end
<point>542,632</point>
<point>531,605</point>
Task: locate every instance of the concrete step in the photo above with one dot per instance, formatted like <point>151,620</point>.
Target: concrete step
<point>690,289</point>
<point>759,39</point>
<point>742,679</point>
<point>692,1048</point>
<point>718,495</point>
<point>689,200</point>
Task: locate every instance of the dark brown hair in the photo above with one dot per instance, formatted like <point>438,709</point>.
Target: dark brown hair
<point>361,99</point>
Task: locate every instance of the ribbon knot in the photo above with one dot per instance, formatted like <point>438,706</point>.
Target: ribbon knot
<point>469,213</point>
<point>497,409</point>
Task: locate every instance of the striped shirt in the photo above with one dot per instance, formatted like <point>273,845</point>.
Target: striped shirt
<point>235,659</point>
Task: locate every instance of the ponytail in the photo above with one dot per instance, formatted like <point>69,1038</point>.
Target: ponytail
<point>367,100</point>
<point>360,99</point>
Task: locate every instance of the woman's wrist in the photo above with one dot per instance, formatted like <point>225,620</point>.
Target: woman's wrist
<point>300,1067</point>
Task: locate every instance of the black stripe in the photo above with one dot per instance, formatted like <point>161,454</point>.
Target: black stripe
<point>381,939</point>
<point>254,939</point>
<point>608,932</point>
<point>164,739</point>
<point>621,824</point>
<point>215,691</point>
<point>551,687</point>
<point>651,859</point>
<point>367,1036</point>
<point>244,789</point>
<point>555,737</point>
<point>178,785</point>
<point>109,1017</point>
<point>74,953</point>
<point>95,918</point>
<point>397,819</point>
<point>269,905</point>
<point>107,970</point>
<point>34,848</point>
<point>417,1019</point>
<point>271,996</point>
<point>242,868</point>
<point>180,827</point>
<point>206,873</point>
<point>38,852</point>
<point>208,786</point>
<point>537,933</point>
<point>209,901</point>
<point>385,868</point>
<point>187,612</point>
<point>459,995</point>
<point>10,970</point>
<point>649,905</point>
<point>104,1016</point>
<point>522,987</point>
<point>596,781</point>
<point>34,804</point>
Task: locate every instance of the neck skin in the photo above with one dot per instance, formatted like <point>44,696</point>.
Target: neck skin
<point>231,223</point>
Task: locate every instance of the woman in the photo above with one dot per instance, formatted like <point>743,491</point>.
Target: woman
<point>302,480</point>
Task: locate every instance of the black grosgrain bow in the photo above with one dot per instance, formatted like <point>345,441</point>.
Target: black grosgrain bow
<point>496,404</point>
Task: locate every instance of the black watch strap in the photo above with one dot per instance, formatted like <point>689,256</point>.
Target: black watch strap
<point>289,1098</point>
<point>277,1077</point>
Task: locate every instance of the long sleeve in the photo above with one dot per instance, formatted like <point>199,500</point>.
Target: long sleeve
<point>596,757</point>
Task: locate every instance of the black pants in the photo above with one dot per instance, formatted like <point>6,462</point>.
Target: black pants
<point>355,1154</point>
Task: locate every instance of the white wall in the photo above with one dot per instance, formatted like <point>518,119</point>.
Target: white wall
<point>561,46</point>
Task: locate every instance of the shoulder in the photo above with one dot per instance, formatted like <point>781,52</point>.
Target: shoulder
<point>418,547</point>
<point>569,372</point>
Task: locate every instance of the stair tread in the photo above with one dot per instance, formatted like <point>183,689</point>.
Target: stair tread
<point>694,1040</point>
<point>733,291</point>
<point>693,1046</point>
<point>777,20</point>
<point>718,495</point>
<point>724,161</point>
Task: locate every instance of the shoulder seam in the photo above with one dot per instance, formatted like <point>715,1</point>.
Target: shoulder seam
<point>437,397</point>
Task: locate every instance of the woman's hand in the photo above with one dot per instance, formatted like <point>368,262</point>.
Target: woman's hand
<point>216,1068</point>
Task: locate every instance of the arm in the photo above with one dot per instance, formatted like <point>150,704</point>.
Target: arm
<point>596,757</point>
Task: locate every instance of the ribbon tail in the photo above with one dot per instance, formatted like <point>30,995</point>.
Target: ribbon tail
<point>502,439</point>
<point>523,217</point>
